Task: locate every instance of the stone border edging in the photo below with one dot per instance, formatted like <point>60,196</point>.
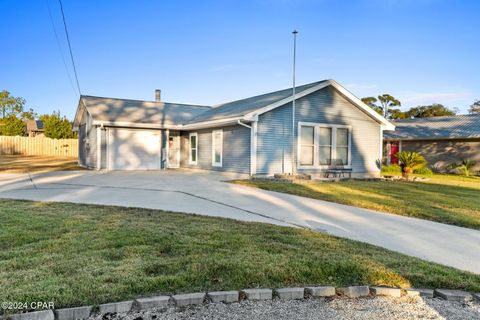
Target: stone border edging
<point>190,299</point>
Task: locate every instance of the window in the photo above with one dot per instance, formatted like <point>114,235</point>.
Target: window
<point>321,145</point>
<point>217,148</point>
<point>307,145</point>
<point>193,148</point>
<point>325,146</point>
<point>342,146</point>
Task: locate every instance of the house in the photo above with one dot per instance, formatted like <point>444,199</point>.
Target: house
<point>35,128</point>
<point>253,135</point>
<point>441,140</point>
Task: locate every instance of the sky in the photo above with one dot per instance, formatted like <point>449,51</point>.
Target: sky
<point>209,52</point>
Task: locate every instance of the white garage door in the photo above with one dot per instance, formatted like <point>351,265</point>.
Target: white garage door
<point>133,149</point>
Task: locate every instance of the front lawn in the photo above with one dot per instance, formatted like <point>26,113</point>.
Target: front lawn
<point>444,198</point>
<point>76,254</point>
<point>22,164</point>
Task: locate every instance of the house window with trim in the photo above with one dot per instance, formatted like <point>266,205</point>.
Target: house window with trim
<point>342,146</point>
<point>193,137</point>
<point>217,148</point>
<point>323,145</point>
<point>307,145</point>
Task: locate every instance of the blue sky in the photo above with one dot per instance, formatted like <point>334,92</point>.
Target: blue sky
<point>208,52</point>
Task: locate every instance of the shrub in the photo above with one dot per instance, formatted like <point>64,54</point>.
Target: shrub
<point>425,171</point>
<point>465,167</point>
<point>410,161</point>
<point>393,168</point>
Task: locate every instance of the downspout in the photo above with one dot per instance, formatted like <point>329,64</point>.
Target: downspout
<point>253,145</point>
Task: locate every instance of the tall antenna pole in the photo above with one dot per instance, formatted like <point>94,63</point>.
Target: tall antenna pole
<point>294,149</point>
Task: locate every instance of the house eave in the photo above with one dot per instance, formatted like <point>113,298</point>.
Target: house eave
<point>211,123</point>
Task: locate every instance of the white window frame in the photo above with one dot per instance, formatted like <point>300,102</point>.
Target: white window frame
<point>314,160</point>
<point>220,163</point>
<point>334,127</point>
<point>190,161</point>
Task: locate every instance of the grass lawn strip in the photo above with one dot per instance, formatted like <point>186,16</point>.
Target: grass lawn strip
<point>444,198</point>
<point>23,164</point>
<point>77,255</point>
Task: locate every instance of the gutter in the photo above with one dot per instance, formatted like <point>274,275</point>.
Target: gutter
<point>243,124</point>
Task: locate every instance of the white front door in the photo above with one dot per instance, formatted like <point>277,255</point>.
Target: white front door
<point>174,150</point>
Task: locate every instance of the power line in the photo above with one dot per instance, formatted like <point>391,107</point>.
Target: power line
<point>70,47</point>
<point>59,46</point>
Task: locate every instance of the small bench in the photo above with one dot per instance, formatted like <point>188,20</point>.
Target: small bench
<point>338,170</point>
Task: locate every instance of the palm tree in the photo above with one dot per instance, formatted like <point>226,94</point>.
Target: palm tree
<point>410,161</point>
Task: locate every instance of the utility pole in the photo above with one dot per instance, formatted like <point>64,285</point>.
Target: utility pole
<point>294,149</point>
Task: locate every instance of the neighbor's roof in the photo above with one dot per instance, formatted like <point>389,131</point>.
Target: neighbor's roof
<point>140,112</point>
<point>242,107</point>
<point>461,126</point>
<point>35,125</point>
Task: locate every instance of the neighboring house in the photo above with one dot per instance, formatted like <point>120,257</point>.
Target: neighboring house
<point>254,135</point>
<point>35,128</point>
<point>441,140</point>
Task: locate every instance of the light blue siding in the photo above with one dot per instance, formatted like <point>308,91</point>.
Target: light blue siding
<point>274,141</point>
<point>324,106</point>
<point>87,142</point>
<point>236,149</point>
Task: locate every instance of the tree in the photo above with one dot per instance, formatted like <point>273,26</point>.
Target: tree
<point>28,115</point>
<point>434,110</point>
<point>387,101</point>
<point>410,161</point>
<point>372,103</point>
<point>12,126</point>
<point>56,126</point>
<point>10,104</point>
<point>475,107</point>
<point>397,114</point>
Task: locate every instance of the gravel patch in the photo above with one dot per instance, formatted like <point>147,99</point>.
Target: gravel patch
<point>338,308</point>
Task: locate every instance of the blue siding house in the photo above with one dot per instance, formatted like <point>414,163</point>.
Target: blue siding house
<point>260,135</point>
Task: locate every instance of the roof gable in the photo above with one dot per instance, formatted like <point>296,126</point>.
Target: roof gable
<point>245,106</point>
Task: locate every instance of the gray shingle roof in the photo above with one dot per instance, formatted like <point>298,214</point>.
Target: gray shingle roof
<point>140,112</point>
<point>241,107</point>
<point>461,126</point>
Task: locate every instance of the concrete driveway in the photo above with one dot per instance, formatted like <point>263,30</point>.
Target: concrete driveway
<point>206,193</point>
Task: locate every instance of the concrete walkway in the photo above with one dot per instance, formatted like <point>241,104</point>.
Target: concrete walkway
<point>206,193</point>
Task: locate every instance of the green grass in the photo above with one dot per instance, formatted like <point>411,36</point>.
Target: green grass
<point>84,254</point>
<point>23,164</point>
<point>448,199</point>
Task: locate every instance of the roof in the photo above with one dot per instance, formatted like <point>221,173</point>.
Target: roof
<point>242,107</point>
<point>35,125</point>
<point>461,126</point>
<point>140,112</point>
<point>137,113</point>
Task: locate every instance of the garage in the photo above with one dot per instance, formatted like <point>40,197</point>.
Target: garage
<point>133,149</point>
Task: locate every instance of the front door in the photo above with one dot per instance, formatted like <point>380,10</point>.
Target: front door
<point>174,150</point>
<point>394,148</point>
